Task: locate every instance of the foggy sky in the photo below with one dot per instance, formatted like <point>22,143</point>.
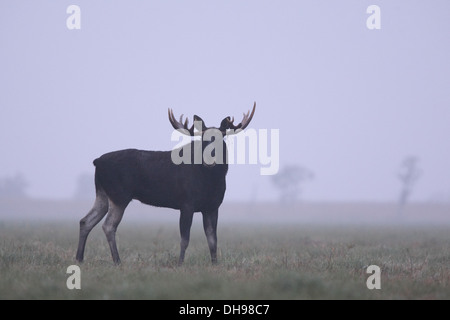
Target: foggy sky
<point>350,103</point>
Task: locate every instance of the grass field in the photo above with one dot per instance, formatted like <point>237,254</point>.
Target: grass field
<point>263,260</point>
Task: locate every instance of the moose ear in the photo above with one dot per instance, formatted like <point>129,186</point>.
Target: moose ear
<point>225,124</point>
<point>198,119</point>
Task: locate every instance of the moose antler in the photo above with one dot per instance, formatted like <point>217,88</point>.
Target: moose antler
<point>180,125</point>
<point>244,123</point>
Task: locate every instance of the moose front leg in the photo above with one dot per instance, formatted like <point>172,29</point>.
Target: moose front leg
<point>210,227</point>
<point>185,232</point>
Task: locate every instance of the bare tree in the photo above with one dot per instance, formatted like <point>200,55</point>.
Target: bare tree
<point>408,175</point>
<point>13,186</point>
<point>288,181</point>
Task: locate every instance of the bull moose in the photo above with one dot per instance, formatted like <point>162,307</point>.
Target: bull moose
<point>153,178</point>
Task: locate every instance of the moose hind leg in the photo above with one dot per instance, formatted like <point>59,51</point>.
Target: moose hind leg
<point>94,216</point>
<point>210,227</point>
<point>112,220</point>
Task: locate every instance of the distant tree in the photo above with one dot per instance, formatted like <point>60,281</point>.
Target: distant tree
<point>288,182</point>
<point>85,188</point>
<point>13,186</point>
<point>408,175</point>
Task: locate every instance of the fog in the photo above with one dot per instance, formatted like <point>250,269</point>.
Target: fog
<point>350,103</point>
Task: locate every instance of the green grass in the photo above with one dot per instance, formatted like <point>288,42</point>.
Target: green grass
<point>255,262</point>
